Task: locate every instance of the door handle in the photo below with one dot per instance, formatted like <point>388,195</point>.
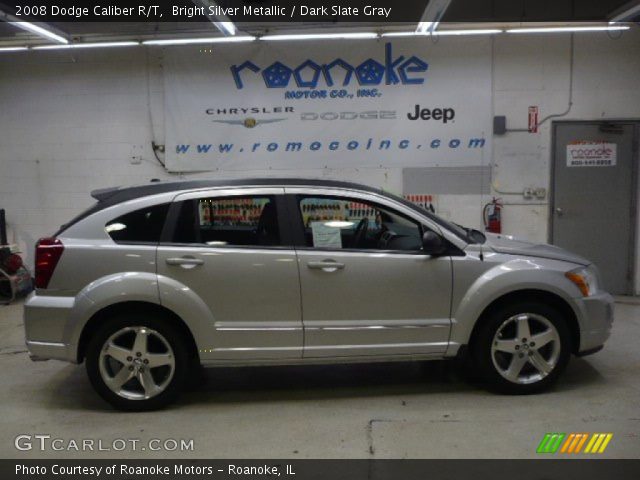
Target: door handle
<point>327,266</point>
<point>185,261</point>
<point>559,211</point>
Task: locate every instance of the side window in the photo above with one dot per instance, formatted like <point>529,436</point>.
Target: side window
<point>338,223</point>
<point>144,225</point>
<point>232,221</point>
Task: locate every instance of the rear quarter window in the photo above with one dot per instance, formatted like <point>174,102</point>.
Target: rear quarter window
<point>140,226</point>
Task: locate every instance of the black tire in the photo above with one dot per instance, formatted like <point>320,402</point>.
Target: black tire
<point>482,356</point>
<point>173,337</point>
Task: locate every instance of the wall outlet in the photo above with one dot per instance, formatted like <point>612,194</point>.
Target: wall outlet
<point>528,193</point>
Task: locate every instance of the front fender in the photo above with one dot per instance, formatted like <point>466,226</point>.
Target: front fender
<point>504,278</point>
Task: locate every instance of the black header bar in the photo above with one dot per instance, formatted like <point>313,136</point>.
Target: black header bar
<point>283,11</point>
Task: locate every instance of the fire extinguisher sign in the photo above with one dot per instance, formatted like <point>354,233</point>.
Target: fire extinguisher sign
<point>533,119</point>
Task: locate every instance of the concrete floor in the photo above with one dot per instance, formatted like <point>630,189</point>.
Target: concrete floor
<point>365,411</point>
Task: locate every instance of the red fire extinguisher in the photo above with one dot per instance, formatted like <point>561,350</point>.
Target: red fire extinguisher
<point>492,216</point>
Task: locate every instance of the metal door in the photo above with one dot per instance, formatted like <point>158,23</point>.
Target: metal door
<point>593,196</point>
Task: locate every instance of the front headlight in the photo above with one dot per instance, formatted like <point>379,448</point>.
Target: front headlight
<point>585,278</point>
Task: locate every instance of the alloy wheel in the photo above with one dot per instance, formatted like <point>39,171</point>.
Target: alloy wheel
<point>526,348</point>
<point>137,363</point>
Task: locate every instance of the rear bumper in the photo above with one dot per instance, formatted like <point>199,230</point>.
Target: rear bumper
<point>596,320</point>
<point>46,326</point>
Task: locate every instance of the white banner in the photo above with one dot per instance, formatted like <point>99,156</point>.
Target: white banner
<point>406,102</point>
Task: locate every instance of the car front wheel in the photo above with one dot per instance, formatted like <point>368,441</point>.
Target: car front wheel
<point>522,348</point>
<point>137,362</point>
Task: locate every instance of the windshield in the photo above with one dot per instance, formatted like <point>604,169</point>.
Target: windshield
<point>467,234</point>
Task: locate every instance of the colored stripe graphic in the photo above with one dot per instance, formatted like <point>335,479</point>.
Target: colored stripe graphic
<point>550,443</point>
<point>573,443</point>
<point>598,442</point>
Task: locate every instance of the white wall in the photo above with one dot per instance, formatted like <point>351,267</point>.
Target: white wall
<point>71,122</point>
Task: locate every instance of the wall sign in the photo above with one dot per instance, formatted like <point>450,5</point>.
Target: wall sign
<point>591,154</point>
<point>311,105</point>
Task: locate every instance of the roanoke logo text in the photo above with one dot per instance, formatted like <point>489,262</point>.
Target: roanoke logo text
<point>310,74</point>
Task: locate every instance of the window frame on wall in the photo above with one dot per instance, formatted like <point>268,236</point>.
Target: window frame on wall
<point>298,228</point>
<point>175,209</point>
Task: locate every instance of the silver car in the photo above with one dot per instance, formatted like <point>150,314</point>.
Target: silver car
<point>154,281</point>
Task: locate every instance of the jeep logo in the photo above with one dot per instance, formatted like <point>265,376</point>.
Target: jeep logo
<point>443,115</point>
<point>309,73</point>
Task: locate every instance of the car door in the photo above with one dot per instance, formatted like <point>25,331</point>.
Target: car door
<point>229,248</point>
<point>371,293</point>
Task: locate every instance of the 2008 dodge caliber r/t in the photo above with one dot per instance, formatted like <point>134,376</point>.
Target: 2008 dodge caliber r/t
<point>153,281</point>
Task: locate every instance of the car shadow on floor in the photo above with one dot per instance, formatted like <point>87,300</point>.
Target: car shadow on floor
<point>71,389</point>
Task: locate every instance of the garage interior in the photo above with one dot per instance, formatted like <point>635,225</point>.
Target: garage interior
<point>77,119</point>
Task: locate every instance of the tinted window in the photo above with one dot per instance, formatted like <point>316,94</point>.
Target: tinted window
<point>338,223</point>
<point>144,225</point>
<point>232,221</point>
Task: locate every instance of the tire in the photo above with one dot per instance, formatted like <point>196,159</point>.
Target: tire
<point>129,381</point>
<point>513,366</point>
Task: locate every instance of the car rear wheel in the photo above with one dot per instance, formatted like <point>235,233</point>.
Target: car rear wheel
<point>522,348</point>
<point>137,362</point>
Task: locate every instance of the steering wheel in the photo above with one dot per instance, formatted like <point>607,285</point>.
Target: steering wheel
<point>361,231</point>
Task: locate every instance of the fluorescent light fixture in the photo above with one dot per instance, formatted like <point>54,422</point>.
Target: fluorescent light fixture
<point>321,36</point>
<point>432,15</point>
<point>216,15</point>
<point>13,49</point>
<point>426,27</point>
<point>627,13</point>
<point>228,28</point>
<point>86,45</point>
<point>192,41</point>
<point>608,28</point>
<point>38,30</point>
<point>443,33</point>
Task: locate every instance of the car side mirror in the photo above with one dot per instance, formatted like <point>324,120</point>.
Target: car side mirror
<point>433,244</point>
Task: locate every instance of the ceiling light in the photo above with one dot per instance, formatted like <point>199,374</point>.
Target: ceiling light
<point>13,49</point>
<point>217,16</point>
<point>228,28</point>
<point>190,41</point>
<point>568,29</point>
<point>432,16</point>
<point>41,32</point>
<point>426,27</point>
<point>321,36</point>
<point>627,13</point>
<point>443,33</point>
<point>492,31</point>
<point>86,45</point>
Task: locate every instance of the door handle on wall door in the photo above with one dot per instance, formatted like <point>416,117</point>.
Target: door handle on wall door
<point>559,211</point>
<point>327,266</point>
<point>185,261</point>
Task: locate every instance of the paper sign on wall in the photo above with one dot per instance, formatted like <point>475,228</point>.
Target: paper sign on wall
<point>591,154</point>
